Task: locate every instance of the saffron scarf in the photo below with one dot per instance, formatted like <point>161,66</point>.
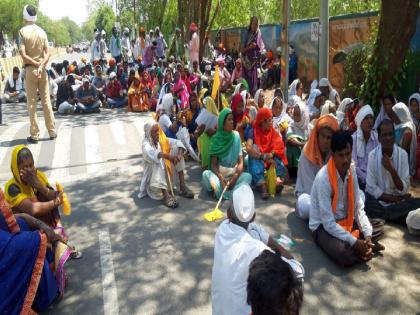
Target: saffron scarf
<point>268,141</point>
<point>311,149</point>
<point>222,140</point>
<point>348,222</point>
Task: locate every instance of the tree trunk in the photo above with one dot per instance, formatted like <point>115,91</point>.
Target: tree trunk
<point>397,26</point>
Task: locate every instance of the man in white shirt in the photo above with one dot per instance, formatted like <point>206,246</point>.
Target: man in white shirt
<point>388,179</point>
<point>238,242</point>
<point>337,206</point>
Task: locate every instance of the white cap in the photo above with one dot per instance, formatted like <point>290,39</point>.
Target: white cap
<point>324,82</point>
<point>112,75</point>
<point>243,203</point>
<point>413,219</point>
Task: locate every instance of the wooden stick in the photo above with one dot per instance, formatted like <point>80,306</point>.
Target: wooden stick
<point>221,196</point>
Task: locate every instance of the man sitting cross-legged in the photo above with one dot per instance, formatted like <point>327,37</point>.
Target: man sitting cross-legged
<point>388,179</point>
<point>237,242</point>
<point>337,218</point>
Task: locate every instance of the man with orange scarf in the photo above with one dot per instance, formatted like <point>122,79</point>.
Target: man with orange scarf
<point>315,154</point>
<point>337,217</point>
<point>265,147</point>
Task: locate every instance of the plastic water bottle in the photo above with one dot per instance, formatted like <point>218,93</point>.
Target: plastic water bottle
<point>66,203</point>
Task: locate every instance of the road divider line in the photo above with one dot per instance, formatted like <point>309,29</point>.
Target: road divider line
<point>8,135</point>
<point>92,157</point>
<point>62,150</point>
<point>109,287</point>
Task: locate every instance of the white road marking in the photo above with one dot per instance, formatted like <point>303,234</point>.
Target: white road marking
<point>109,287</point>
<point>8,135</point>
<point>62,150</point>
<point>93,156</point>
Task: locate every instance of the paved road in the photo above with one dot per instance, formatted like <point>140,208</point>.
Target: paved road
<point>141,258</point>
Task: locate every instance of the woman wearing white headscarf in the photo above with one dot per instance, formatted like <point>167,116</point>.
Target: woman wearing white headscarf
<point>168,126</point>
<point>314,104</point>
<point>414,104</point>
<point>157,150</point>
<point>345,106</point>
<point>296,89</point>
<point>281,119</point>
<point>405,133</point>
<point>365,140</point>
<point>297,134</point>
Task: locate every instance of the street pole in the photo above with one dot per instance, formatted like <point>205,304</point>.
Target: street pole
<point>285,47</point>
<point>134,13</point>
<point>324,40</point>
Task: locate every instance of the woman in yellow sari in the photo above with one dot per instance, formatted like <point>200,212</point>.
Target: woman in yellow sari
<point>30,192</point>
<point>138,98</point>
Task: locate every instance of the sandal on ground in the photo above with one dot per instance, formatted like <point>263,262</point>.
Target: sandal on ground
<point>187,193</point>
<point>378,247</point>
<point>75,254</point>
<point>170,202</point>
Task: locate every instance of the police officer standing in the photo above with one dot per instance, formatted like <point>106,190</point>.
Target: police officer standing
<point>35,55</point>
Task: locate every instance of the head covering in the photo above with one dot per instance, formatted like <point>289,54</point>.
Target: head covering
<point>222,140</point>
<point>270,140</point>
<point>312,97</point>
<point>413,221</point>
<point>237,89</point>
<point>243,203</point>
<point>237,98</point>
<point>244,95</point>
<point>293,100</point>
<point>193,27</point>
<point>257,96</point>
<point>292,88</point>
<point>26,15</point>
<point>360,140</point>
<point>304,118</point>
<point>85,80</point>
<point>325,109</point>
<point>148,130</point>
<point>167,103</point>
<point>311,148</point>
<point>220,60</point>
<point>415,96</point>
<point>112,75</point>
<point>83,59</point>
<point>403,113</point>
<point>25,191</point>
<point>343,108</point>
<point>324,83</point>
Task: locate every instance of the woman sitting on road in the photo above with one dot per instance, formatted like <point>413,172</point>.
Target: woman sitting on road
<point>265,147</point>
<point>281,119</point>
<point>205,137</point>
<point>240,115</point>
<point>160,152</point>
<point>297,134</point>
<point>138,99</point>
<point>405,133</point>
<point>227,162</point>
<point>30,192</point>
<point>28,284</point>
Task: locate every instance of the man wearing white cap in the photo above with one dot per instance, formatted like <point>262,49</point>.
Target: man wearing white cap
<point>328,91</point>
<point>238,242</point>
<point>35,55</point>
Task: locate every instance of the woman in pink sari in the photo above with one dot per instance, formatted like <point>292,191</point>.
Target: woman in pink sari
<point>180,90</point>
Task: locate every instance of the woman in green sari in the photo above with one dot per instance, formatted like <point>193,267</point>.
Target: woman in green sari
<point>226,160</point>
<point>205,137</point>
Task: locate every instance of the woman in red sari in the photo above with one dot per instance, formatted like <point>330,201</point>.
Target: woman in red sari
<point>240,115</point>
<point>265,147</point>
